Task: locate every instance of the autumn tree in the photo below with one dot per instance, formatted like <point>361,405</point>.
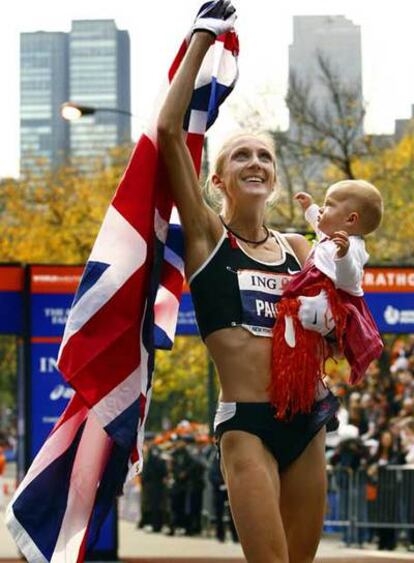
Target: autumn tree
<point>392,171</point>
<point>55,217</point>
<point>327,130</point>
<point>180,383</point>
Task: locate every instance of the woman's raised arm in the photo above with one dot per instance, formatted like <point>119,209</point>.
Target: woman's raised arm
<point>213,19</point>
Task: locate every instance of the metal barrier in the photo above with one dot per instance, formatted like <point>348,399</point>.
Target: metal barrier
<point>391,502</point>
<point>339,509</point>
<point>362,502</point>
<point>359,503</point>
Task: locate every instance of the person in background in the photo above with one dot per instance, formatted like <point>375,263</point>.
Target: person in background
<point>153,480</point>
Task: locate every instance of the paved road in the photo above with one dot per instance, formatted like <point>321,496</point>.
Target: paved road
<point>154,548</point>
<point>136,546</point>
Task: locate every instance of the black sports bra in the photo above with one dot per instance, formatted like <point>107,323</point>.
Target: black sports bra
<point>232,288</point>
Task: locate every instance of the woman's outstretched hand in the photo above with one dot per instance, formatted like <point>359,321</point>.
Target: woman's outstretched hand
<point>216,17</point>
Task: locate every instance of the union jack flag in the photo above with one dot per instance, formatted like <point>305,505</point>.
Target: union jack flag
<point>126,304</point>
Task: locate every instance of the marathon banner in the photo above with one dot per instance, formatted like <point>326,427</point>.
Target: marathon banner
<point>389,293</point>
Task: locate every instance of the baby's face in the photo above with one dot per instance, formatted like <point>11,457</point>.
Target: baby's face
<point>334,213</point>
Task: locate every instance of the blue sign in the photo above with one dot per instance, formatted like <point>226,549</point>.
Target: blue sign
<point>50,300</point>
<point>11,316</point>
<point>49,393</point>
<point>11,299</point>
<point>393,312</point>
<point>50,313</point>
<point>186,324</point>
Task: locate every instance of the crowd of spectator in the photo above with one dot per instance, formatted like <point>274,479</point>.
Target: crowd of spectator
<point>377,415</point>
<point>376,430</point>
<point>182,488</point>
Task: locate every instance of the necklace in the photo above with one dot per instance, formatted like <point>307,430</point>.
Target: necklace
<point>257,242</point>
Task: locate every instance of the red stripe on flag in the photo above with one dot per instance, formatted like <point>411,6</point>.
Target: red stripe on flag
<point>103,358</point>
<point>231,42</point>
<point>135,196</point>
<point>171,279</point>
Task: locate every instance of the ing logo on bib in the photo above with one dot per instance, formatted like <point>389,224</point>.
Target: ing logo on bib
<point>259,293</point>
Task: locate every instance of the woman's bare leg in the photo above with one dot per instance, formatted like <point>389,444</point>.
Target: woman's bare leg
<point>252,478</point>
<point>303,501</point>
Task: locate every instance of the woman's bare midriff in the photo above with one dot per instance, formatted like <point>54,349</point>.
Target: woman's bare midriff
<point>243,364</point>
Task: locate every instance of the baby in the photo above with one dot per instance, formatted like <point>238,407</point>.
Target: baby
<point>352,208</point>
<point>334,269</point>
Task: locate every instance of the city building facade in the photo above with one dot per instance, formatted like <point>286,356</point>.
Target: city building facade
<point>89,66</point>
<point>336,40</point>
<point>99,63</point>
<point>44,84</point>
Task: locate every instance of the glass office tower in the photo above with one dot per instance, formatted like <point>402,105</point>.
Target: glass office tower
<point>99,71</point>
<point>44,135</point>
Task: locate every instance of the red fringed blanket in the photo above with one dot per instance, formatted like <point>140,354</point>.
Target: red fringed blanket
<point>299,355</point>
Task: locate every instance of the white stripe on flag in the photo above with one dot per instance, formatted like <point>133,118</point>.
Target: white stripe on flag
<point>160,226</point>
<point>118,399</point>
<point>24,542</point>
<point>225,66</point>
<point>86,474</point>
<point>174,259</point>
<point>121,247</point>
<point>206,71</point>
<point>55,445</point>
<point>198,122</point>
<point>165,311</point>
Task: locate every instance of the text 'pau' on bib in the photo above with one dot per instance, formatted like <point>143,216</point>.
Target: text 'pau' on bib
<point>259,293</point>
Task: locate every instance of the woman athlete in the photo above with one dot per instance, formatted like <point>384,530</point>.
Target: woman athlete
<point>236,267</point>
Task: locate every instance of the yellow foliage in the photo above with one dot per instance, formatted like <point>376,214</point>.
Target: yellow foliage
<point>391,170</point>
<point>55,218</point>
<point>180,380</point>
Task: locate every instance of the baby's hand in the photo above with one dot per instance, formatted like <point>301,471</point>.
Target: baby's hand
<point>341,240</point>
<point>304,199</point>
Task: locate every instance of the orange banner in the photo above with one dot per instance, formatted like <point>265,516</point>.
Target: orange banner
<point>55,279</point>
<point>388,280</point>
<point>11,278</point>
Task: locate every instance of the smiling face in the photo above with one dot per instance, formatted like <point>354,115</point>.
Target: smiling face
<point>248,170</point>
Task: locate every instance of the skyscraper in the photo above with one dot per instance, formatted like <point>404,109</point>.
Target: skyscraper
<point>43,88</point>
<point>99,77</point>
<point>89,66</point>
<point>338,41</point>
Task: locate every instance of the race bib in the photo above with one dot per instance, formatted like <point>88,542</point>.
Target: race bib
<point>259,293</point>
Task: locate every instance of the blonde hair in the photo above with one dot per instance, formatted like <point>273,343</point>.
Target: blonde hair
<point>214,195</point>
<point>367,200</point>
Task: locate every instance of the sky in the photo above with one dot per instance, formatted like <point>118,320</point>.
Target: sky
<point>265,28</point>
